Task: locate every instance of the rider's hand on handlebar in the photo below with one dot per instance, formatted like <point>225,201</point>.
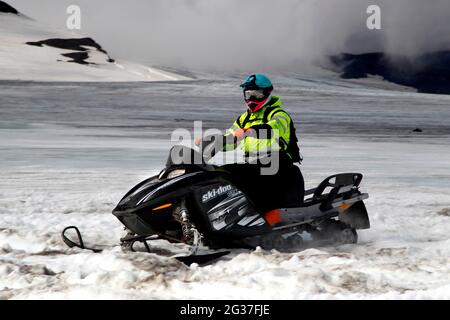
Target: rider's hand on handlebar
<point>250,132</point>
<point>242,133</point>
<point>239,133</point>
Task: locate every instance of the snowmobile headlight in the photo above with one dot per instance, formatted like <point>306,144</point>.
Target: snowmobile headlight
<point>176,173</point>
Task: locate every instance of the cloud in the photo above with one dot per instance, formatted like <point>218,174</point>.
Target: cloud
<point>250,35</point>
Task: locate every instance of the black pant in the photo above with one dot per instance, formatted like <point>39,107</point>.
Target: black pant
<point>284,189</point>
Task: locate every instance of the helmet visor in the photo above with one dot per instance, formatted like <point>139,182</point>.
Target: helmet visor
<point>254,94</point>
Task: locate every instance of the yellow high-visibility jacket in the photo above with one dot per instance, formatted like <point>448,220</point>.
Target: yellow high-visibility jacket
<point>274,127</point>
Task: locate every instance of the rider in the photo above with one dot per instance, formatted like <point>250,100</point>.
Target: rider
<point>266,128</point>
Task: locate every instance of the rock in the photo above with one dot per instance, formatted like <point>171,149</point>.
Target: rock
<point>428,73</point>
<point>78,57</point>
<point>444,212</point>
<point>80,46</point>
<point>6,8</point>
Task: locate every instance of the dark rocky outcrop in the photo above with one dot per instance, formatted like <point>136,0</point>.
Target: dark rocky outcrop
<point>69,44</point>
<point>428,73</point>
<point>78,57</point>
<point>6,8</point>
<point>81,53</point>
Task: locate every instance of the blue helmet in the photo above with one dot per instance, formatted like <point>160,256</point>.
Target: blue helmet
<point>257,81</point>
<point>257,90</point>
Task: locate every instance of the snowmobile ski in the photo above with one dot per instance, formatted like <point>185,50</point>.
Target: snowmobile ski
<point>200,259</point>
<point>80,244</point>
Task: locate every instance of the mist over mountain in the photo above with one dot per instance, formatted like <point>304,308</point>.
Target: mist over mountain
<point>257,35</point>
<point>33,51</point>
<point>232,36</point>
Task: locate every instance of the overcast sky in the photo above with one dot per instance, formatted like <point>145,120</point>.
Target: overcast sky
<point>249,34</point>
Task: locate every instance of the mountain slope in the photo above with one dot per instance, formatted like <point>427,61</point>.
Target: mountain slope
<point>427,73</point>
<point>31,51</point>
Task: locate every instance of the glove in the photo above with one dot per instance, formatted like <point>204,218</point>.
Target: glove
<point>250,132</point>
<point>243,133</point>
<point>239,134</point>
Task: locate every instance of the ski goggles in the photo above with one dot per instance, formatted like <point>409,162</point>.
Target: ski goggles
<point>254,94</point>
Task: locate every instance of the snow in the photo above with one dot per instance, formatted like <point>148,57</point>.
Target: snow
<point>19,61</point>
<point>67,159</point>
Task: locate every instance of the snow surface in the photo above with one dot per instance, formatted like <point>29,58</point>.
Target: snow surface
<point>69,152</point>
<point>19,61</point>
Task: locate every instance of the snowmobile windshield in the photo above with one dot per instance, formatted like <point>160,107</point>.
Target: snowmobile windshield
<point>185,156</point>
<point>182,155</point>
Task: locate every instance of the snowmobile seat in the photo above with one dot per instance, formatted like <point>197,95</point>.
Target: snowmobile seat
<point>343,181</point>
<point>340,184</point>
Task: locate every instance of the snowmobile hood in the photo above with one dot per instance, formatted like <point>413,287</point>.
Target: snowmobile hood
<point>143,192</point>
<point>154,190</point>
<point>164,185</point>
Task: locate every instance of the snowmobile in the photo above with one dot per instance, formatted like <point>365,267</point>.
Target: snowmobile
<point>196,203</point>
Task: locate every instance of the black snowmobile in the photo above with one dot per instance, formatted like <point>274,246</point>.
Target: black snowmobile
<point>198,204</point>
